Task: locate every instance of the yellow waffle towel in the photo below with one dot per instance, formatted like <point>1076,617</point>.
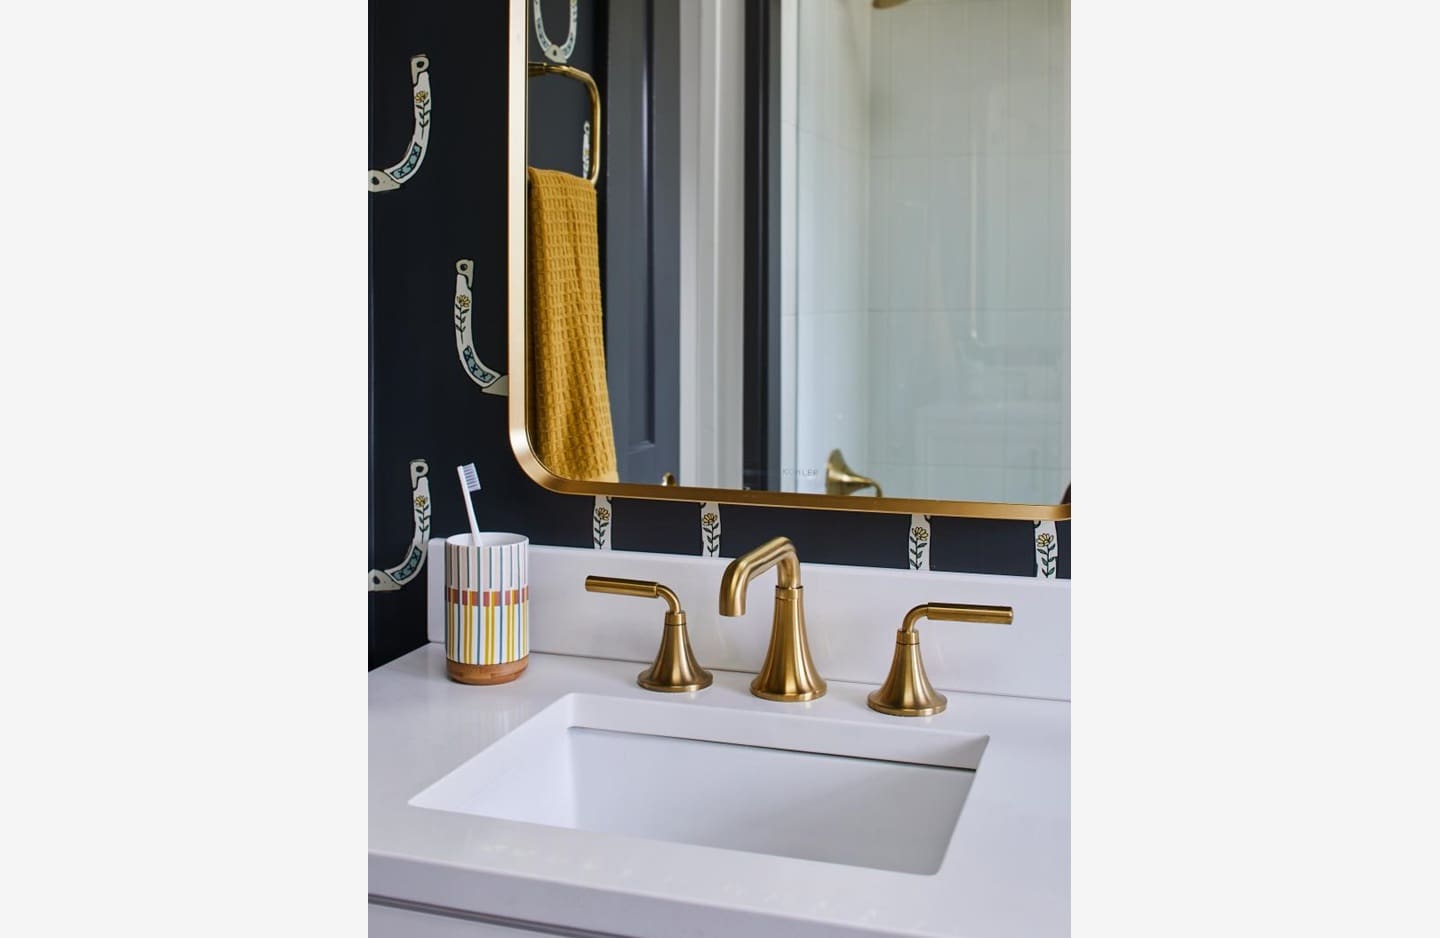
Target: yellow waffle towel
<point>570,421</point>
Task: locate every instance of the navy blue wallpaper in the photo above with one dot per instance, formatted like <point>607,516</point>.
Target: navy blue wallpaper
<point>424,406</point>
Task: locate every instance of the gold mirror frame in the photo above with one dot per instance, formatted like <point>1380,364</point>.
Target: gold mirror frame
<point>516,129</point>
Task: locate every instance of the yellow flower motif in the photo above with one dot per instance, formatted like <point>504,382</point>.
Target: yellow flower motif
<point>421,97</point>
<point>602,513</point>
<point>1043,541</point>
<point>709,518</point>
<point>920,534</point>
<point>462,301</point>
<point>421,501</point>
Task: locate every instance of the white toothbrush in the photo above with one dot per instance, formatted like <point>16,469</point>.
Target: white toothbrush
<point>470,482</point>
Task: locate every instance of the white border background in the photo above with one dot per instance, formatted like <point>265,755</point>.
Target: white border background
<point>1254,295</point>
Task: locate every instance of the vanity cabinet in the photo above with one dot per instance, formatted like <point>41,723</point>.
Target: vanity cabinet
<point>390,922</point>
<point>574,801</point>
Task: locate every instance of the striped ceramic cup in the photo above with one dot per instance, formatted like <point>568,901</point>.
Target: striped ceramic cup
<point>487,608</point>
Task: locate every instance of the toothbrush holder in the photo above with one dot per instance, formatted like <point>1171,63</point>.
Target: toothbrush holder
<point>487,608</point>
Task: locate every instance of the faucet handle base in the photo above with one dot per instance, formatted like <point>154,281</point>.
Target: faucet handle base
<point>647,681</point>
<point>810,693</point>
<point>907,691</point>
<point>675,670</point>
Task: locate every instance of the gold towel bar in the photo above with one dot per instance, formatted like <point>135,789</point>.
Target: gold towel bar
<point>543,68</point>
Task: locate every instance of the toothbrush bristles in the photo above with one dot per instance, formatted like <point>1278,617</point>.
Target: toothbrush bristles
<point>470,482</point>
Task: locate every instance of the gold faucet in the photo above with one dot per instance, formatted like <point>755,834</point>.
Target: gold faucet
<point>840,479</point>
<point>675,669</point>
<point>787,673</point>
<point>907,691</point>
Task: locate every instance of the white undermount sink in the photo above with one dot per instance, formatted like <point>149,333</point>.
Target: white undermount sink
<point>885,796</point>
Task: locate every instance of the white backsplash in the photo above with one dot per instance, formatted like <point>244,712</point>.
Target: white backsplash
<point>851,616</point>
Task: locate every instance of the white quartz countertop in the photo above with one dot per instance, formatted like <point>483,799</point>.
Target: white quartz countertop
<point>1006,872</point>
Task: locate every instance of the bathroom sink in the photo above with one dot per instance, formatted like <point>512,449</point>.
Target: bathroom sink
<point>885,796</point>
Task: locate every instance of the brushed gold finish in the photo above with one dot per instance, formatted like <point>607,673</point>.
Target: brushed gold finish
<point>544,68</point>
<point>518,357</point>
<point>840,479</point>
<point>621,586</point>
<point>957,612</point>
<point>788,674</point>
<point>777,552</point>
<point>907,691</point>
<point>675,669</point>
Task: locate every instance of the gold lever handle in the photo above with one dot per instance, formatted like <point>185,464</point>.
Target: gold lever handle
<point>957,612</point>
<point>647,589</point>
<point>907,691</point>
<point>675,668</point>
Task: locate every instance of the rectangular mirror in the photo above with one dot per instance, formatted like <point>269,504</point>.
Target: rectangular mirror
<point>793,252</point>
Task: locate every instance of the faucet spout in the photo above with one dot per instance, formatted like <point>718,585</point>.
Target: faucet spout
<point>787,674</point>
<point>775,552</point>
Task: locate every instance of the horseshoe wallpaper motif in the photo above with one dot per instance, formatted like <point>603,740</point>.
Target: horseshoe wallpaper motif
<point>383,180</point>
<point>443,199</point>
<point>392,578</point>
<point>490,380</point>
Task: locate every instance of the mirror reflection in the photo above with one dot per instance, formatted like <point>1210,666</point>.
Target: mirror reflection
<point>826,248</point>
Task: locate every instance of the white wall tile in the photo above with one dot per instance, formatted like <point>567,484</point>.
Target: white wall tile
<point>1032,486</point>
<point>973,483</point>
<point>952,238</point>
<point>1065,399</point>
<point>1028,125</point>
<point>1029,79</point>
<point>1032,438</point>
<point>790,91</point>
<point>896,383</point>
<point>1060,75</point>
<point>906,252</point>
<point>963,433</point>
<point>1027,38</point>
<point>832,60</point>
<point>882,88</point>
<point>831,387</point>
<point>810,65</point>
<point>807,150</point>
<point>829,239</point>
<point>911,110</point>
<point>991,197</point>
<point>1059,232</point>
<point>937,202</point>
<point>789,62</point>
<point>1018,330</point>
<point>789,179</point>
<point>852,198</point>
<point>897,479</point>
<point>851,76</point>
<point>881,231</point>
<point>788,401</point>
<point>1029,266</point>
<point>949,79</point>
<point>987,94</point>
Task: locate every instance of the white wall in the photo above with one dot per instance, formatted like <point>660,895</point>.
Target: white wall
<point>823,333</point>
<point>712,274</point>
<point>927,331</point>
<point>969,250</point>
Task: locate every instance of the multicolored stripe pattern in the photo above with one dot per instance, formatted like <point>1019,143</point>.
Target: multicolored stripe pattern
<point>487,602</point>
